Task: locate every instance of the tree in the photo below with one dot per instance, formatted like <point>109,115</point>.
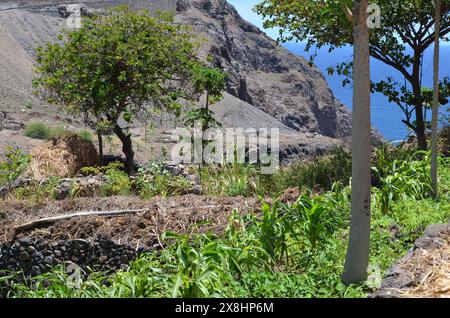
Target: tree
<point>357,259</point>
<point>117,66</point>
<point>209,82</point>
<point>434,125</point>
<point>405,34</point>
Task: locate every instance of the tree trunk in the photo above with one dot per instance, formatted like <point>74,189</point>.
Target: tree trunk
<point>420,121</point>
<point>417,91</point>
<point>100,147</point>
<point>434,126</point>
<point>357,259</point>
<point>127,148</point>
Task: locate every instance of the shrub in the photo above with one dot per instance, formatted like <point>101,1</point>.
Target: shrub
<point>37,131</point>
<point>400,179</point>
<point>38,192</point>
<point>42,131</point>
<point>154,180</point>
<point>15,164</point>
<point>118,181</point>
<point>319,173</point>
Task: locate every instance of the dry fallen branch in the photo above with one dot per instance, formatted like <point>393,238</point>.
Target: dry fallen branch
<point>53,219</point>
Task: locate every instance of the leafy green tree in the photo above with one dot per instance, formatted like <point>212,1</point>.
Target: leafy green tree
<point>406,32</point>
<point>119,65</point>
<point>209,82</point>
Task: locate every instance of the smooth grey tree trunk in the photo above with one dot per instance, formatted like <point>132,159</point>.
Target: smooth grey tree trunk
<point>434,123</point>
<point>357,259</point>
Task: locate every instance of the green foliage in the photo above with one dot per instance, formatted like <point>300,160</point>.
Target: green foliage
<point>29,105</point>
<point>38,191</point>
<point>154,180</point>
<point>295,250</point>
<point>111,67</point>
<point>39,130</point>
<point>85,135</point>
<point>312,215</point>
<point>402,179</point>
<point>230,179</point>
<point>328,24</point>
<point>118,182</point>
<point>197,267</point>
<point>274,231</point>
<point>209,81</point>
<point>15,164</point>
<point>319,174</point>
<point>237,179</point>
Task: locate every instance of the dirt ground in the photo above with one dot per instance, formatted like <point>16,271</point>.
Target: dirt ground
<point>182,214</point>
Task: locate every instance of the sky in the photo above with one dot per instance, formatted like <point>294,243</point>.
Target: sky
<point>245,9</point>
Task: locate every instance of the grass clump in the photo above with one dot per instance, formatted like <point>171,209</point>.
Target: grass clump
<point>85,135</point>
<point>38,130</point>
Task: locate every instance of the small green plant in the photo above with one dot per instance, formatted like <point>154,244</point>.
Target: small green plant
<point>231,179</point>
<point>85,135</point>
<point>29,105</point>
<point>15,164</point>
<point>400,179</point>
<point>154,180</point>
<point>311,213</point>
<point>118,181</point>
<point>197,267</point>
<point>38,191</point>
<point>37,130</point>
<point>274,232</point>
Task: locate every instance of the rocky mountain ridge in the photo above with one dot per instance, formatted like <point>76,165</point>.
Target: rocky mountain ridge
<point>267,85</point>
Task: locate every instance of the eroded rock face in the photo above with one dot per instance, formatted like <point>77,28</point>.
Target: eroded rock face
<point>263,73</point>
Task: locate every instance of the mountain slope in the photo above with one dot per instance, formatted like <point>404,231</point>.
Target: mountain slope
<point>271,86</point>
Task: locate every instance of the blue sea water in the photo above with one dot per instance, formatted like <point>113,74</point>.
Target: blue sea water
<point>386,117</point>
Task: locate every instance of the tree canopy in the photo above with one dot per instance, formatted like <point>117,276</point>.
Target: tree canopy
<point>117,65</point>
<point>407,30</point>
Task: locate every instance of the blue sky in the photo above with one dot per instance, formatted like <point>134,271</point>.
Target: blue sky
<point>245,9</point>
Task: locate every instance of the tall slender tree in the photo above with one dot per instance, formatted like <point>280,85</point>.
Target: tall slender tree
<point>401,43</point>
<point>434,123</point>
<point>357,259</point>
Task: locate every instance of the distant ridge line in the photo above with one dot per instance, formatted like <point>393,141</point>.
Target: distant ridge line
<point>163,4</point>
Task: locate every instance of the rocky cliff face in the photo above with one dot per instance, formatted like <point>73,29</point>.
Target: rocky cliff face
<point>263,73</point>
<point>274,84</point>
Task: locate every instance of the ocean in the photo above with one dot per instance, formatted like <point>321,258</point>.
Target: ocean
<point>386,117</point>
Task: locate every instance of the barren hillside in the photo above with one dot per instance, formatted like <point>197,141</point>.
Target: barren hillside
<point>267,85</point>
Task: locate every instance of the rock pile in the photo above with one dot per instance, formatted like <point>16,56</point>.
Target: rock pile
<point>407,274</point>
<point>37,256</point>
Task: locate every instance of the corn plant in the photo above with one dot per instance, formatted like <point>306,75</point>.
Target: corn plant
<point>197,266</point>
<point>401,179</point>
<point>311,214</point>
